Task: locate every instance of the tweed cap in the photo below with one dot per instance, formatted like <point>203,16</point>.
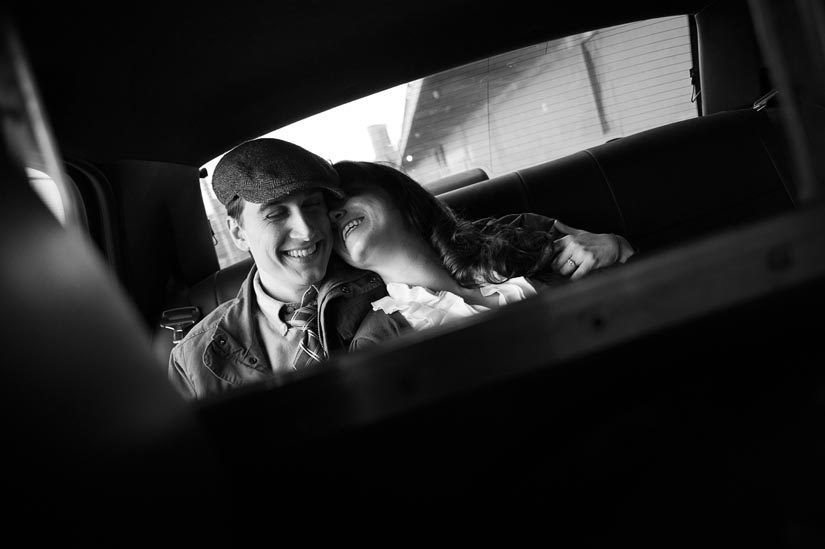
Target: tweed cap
<point>268,169</point>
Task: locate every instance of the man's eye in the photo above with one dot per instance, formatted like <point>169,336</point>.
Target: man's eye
<point>275,214</point>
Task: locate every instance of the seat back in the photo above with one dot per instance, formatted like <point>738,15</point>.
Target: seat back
<point>221,286</point>
<point>458,180</point>
<point>87,416</point>
<point>658,188</point>
<point>202,298</point>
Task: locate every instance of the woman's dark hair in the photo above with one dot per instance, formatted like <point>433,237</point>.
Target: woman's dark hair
<point>474,252</point>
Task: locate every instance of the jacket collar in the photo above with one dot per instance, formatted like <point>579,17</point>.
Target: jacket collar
<point>235,339</point>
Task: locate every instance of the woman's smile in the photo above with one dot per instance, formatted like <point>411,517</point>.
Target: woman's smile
<point>350,226</point>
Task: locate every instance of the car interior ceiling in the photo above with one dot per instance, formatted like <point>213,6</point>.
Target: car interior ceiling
<point>606,451</point>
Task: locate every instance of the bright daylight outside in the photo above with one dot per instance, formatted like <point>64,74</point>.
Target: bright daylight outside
<point>507,112</point>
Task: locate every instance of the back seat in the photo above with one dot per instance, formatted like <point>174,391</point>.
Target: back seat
<point>658,188</point>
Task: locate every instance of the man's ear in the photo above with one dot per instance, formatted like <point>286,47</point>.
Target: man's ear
<point>237,233</point>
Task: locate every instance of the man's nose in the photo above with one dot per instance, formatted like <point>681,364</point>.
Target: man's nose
<point>300,227</point>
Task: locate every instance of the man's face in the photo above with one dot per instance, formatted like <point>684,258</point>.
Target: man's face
<point>290,240</point>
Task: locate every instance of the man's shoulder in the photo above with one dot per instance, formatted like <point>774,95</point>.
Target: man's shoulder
<point>339,272</point>
<point>206,327</point>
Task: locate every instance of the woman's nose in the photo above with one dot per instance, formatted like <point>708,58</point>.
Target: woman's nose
<point>336,214</point>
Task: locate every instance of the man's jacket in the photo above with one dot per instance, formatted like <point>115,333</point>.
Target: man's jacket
<point>223,351</point>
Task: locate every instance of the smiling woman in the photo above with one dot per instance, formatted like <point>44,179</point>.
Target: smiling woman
<point>440,267</point>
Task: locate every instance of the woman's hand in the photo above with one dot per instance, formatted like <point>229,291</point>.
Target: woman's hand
<point>579,252</point>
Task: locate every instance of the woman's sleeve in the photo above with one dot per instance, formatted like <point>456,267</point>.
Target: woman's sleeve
<point>528,221</point>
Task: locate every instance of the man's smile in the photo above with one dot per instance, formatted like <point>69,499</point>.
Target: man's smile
<point>301,253</point>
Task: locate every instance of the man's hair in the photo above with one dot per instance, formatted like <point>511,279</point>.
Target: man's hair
<point>234,208</point>
<point>473,252</point>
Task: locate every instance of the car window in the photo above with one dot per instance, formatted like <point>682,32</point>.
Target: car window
<point>27,130</point>
<point>48,191</point>
<point>506,112</point>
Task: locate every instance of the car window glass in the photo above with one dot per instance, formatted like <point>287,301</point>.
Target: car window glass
<point>27,130</point>
<point>507,112</point>
<point>49,192</point>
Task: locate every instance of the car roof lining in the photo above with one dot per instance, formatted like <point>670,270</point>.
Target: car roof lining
<point>171,103</point>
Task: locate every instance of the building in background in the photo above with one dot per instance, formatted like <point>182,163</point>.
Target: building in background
<point>549,100</point>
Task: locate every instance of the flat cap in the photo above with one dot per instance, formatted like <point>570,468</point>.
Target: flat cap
<point>267,169</point>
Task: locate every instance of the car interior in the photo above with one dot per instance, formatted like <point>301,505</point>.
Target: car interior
<point>675,400</point>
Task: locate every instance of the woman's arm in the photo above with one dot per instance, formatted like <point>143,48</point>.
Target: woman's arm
<point>578,252</point>
<point>575,252</point>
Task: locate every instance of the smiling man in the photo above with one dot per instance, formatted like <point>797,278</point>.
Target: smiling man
<point>299,304</point>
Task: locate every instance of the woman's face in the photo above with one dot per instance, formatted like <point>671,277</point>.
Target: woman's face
<point>366,226</point>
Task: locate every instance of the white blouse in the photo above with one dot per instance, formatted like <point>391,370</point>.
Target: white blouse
<point>424,308</point>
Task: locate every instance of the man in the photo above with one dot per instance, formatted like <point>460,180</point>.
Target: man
<point>297,305</point>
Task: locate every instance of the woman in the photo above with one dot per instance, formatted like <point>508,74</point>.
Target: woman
<point>438,266</point>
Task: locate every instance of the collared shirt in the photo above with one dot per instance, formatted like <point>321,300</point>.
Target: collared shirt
<point>279,339</point>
